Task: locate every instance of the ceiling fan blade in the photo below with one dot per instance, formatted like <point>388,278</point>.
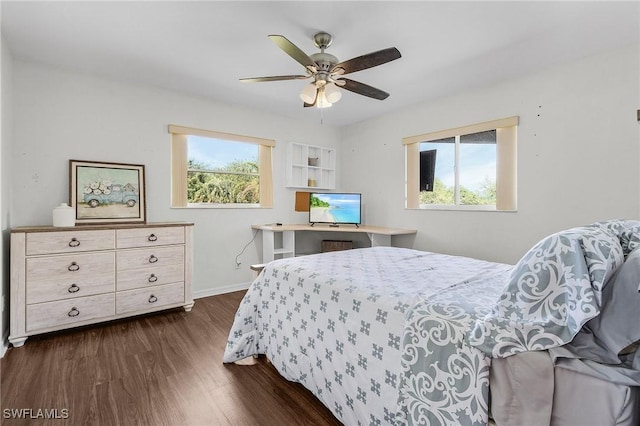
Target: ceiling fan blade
<point>367,61</point>
<point>294,51</point>
<point>361,89</point>
<point>274,78</point>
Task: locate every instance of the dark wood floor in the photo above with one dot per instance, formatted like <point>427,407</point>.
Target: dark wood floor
<point>161,369</point>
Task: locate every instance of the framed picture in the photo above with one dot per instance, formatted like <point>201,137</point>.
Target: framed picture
<point>107,192</point>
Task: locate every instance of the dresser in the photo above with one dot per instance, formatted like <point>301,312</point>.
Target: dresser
<point>69,277</point>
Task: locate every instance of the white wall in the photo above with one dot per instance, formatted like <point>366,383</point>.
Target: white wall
<point>6,126</point>
<point>577,157</point>
<point>60,115</point>
<point>577,152</point>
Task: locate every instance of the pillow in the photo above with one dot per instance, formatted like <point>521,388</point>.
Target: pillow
<point>603,255</point>
<point>627,231</point>
<point>551,292</point>
<point>617,328</point>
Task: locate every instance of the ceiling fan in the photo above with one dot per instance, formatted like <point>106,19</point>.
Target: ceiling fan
<point>327,72</point>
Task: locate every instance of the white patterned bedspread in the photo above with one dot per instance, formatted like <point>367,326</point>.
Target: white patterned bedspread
<point>377,334</point>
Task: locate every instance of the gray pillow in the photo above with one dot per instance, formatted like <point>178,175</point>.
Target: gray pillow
<point>617,327</point>
<point>628,231</point>
<point>551,292</point>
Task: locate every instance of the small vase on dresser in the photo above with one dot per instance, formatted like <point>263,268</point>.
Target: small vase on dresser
<point>68,277</point>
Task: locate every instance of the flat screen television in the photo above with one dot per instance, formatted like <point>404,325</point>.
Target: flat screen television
<point>427,169</point>
<point>335,208</point>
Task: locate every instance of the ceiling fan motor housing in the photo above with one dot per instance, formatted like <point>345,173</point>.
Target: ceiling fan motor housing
<point>322,40</point>
<point>325,61</point>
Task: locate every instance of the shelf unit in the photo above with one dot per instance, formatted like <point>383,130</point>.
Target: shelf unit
<point>278,248</point>
<point>311,166</point>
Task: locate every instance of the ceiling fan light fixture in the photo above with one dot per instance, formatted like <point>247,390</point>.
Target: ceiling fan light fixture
<point>332,93</point>
<point>308,93</point>
<point>322,101</point>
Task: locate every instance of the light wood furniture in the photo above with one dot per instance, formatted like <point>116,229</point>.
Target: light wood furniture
<point>256,269</point>
<point>312,167</point>
<point>378,235</point>
<point>68,277</point>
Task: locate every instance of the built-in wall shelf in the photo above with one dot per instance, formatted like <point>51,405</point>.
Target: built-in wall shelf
<point>311,167</point>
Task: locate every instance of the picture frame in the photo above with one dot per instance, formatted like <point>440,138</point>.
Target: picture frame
<point>104,193</point>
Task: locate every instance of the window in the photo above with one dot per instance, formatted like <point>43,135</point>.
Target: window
<point>219,169</point>
<point>471,167</point>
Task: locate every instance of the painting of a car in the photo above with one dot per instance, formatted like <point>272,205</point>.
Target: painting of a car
<point>111,194</point>
<point>107,192</point>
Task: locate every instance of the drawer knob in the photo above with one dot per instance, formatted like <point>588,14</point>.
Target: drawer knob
<point>153,259</point>
<point>74,312</point>
<point>153,299</point>
<point>74,242</point>
<point>152,237</point>
<point>74,288</point>
<point>153,278</point>
<point>73,267</point>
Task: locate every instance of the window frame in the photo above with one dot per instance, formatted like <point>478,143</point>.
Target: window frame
<point>179,167</point>
<point>506,165</point>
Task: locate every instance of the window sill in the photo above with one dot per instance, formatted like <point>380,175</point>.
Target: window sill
<point>220,206</point>
<point>462,208</point>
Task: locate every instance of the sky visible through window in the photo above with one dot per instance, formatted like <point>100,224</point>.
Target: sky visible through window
<point>477,163</point>
<point>217,153</point>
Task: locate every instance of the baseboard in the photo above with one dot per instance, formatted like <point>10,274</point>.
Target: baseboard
<point>221,290</point>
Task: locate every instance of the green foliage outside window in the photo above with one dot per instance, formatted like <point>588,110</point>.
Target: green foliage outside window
<point>235,183</point>
<point>445,195</point>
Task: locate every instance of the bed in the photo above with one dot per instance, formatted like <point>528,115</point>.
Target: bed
<point>388,335</point>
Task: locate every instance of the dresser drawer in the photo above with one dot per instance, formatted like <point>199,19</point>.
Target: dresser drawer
<point>53,314</point>
<point>69,241</point>
<point>50,290</point>
<point>150,276</point>
<point>150,237</point>
<point>152,257</point>
<point>81,267</point>
<point>149,298</point>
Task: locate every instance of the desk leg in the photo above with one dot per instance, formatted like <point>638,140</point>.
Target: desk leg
<point>289,243</point>
<point>267,246</point>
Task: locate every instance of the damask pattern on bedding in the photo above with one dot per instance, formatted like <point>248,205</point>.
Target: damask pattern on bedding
<point>445,380</point>
<point>555,289</point>
<point>398,336</point>
<point>343,323</point>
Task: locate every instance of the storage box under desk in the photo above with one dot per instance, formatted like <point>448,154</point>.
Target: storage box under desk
<point>335,245</point>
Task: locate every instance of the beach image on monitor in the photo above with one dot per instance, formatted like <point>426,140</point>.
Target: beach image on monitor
<point>334,208</point>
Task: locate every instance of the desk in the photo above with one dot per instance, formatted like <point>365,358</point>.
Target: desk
<point>378,235</point>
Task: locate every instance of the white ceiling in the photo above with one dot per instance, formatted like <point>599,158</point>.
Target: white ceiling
<point>204,47</point>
